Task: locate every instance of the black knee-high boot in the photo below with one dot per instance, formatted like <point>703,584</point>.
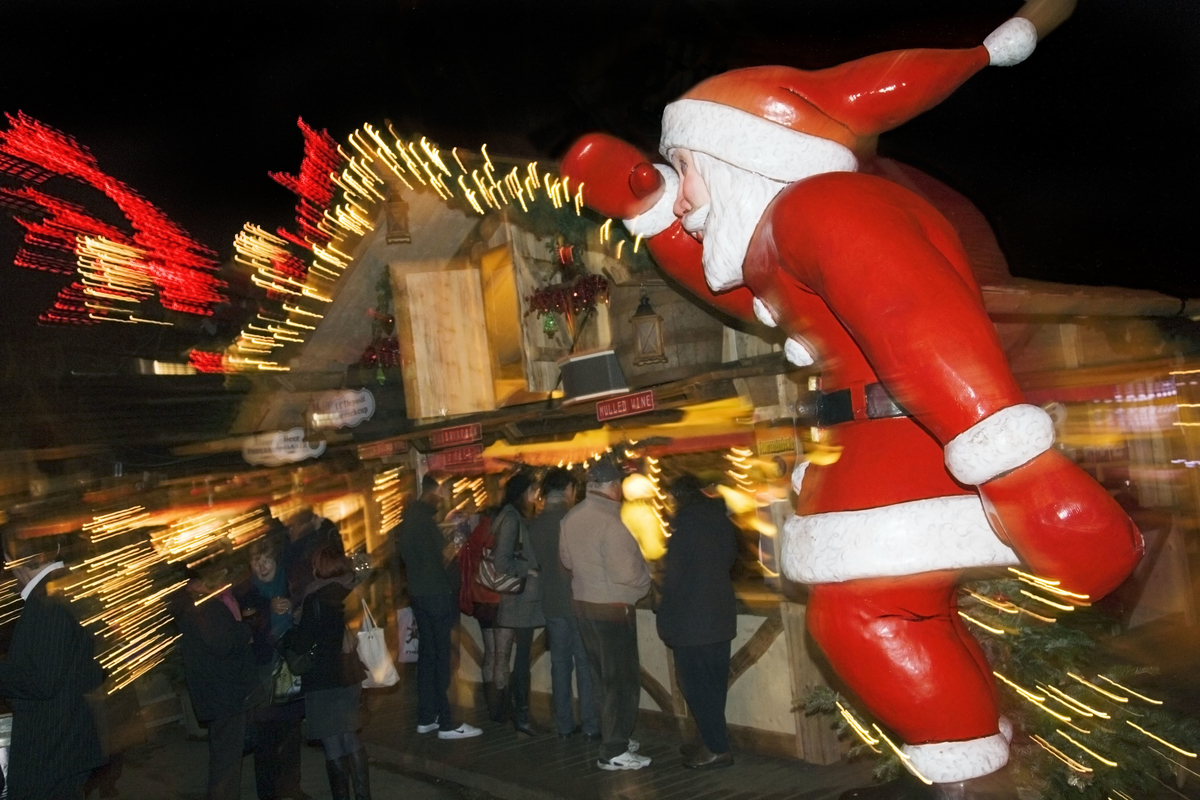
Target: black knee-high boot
<point>339,777</point>
<point>360,774</point>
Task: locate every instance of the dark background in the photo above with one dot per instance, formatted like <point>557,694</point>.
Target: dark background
<point>1083,158</point>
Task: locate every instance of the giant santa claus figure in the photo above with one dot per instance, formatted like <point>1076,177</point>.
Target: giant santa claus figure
<point>944,467</point>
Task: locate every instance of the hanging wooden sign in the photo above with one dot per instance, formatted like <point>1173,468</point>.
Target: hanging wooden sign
<point>456,436</point>
<point>625,406</point>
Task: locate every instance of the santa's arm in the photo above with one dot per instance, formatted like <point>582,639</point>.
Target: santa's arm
<point>620,182</point>
<point>926,334</point>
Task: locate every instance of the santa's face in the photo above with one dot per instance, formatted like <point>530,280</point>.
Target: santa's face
<point>692,202</point>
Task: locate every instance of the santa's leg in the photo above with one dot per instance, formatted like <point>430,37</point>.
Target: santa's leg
<point>900,645</point>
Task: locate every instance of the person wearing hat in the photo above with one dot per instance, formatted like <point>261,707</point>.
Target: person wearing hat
<point>608,576</point>
<point>943,466</point>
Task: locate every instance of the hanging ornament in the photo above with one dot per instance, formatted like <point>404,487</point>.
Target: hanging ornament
<point>549,326</point>
<point>566,255</point>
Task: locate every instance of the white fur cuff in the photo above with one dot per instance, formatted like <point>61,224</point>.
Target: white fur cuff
<point>950,762</point>
<point>1011,43</point>
<point>1002,442</point>
<point>764,314</point>
<point>662,214</point>
<point>797,352</point>
<point>903,539</point>
<point>750,142</point>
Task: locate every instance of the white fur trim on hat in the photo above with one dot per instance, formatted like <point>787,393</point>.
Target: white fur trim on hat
<point>750,142</point>
<point>1011,43</point>
<point>950,762</point>
<point>797,352</point>
<point>902,539</point>
<point>1006,728</point>
<point>763,312</point>
<point>662,214</point>
<point>1003,441</point>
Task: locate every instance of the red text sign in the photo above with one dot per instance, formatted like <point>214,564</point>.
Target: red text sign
<point>625,405</point>
<point>454,437</point>
<point>449,460</point>
<point>381,449</point>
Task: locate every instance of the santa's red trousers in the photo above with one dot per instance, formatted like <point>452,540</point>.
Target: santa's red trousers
<point>902,647</point>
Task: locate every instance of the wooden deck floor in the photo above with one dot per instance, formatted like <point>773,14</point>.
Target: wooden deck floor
<point>505,764</point>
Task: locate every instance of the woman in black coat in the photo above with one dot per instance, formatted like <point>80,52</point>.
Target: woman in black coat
<point>333,683</point>
<point>697,617</point>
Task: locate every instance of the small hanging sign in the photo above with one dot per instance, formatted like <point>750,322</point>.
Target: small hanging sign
<point>625,406</point>
<point>279,447</point>
<point>344,409</point>
<point>459,457</point>
<point>456,436</point>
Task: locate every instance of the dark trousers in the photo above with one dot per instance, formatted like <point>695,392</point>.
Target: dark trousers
<point>610,639</point>
<point>436,616</point>
<point>703,674</point>
<point>521,677</point>
<point>226,743</point>
<point>277,758</point>
<point>567,656</point>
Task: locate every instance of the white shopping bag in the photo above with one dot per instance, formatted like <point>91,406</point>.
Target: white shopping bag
<point>373,652</point>
<point>407,624</point>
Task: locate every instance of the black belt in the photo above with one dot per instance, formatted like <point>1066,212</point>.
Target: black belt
<point>834,408</point>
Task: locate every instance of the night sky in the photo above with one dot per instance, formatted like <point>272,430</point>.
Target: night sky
<point>1083,158</point>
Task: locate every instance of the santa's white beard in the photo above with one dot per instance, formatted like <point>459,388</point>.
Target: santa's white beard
<point>738,200</point>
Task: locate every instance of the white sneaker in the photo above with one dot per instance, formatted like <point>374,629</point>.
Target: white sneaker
<point>463,731</point>
<point>430,728</point>
<point>626,760</point>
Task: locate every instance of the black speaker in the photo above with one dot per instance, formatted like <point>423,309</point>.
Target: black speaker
<point>591,376</point>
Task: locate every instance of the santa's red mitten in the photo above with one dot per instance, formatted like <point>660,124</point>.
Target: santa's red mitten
<point>619,182</point>
<point>1060,522</point>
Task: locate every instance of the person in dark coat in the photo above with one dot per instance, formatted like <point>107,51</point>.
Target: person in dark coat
<point>49,668</point>
<point>567,653</point>
<point>521,612</point>
<point>275,726</point>
<point>306,533</point>
<point>218,664</point>
<point>333,683</point>
<point>433,583</point>
<point>697,617</point>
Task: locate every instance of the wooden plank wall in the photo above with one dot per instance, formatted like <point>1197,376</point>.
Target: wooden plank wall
<point>449,369</point>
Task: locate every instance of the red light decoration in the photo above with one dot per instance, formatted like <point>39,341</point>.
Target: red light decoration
<point>181,269</point>
<point>313,186</point>
<point>207,362</point>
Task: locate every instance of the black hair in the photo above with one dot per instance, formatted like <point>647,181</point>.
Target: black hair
<point>429,484</point>
<point>686,489</point>
<point>515,489</point>
<point>557,479</point>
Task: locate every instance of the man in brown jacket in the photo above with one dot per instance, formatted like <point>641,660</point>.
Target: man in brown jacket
<point>608,575</point>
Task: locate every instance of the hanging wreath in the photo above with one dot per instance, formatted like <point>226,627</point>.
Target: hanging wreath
<point>568,299</point>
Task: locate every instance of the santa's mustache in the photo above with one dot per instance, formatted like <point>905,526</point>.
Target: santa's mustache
<point>695,220</point>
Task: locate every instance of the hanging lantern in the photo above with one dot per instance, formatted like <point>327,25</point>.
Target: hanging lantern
<point>648,335</point>
<point>549,325</point>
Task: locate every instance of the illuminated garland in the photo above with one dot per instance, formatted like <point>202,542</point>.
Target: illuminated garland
<point>117,272</point>
<point>332,221</point>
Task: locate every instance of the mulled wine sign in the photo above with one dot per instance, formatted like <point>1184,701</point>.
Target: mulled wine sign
<point>344,409</point>
<point>625,406</point>
<point>456,436</point>
<point>276,448</point>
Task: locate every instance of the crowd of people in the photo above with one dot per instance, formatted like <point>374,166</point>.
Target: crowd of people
<point>270,660</point>
<point>543,560</point>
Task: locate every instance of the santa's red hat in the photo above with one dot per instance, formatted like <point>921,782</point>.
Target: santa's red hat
<point>787,124</point>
